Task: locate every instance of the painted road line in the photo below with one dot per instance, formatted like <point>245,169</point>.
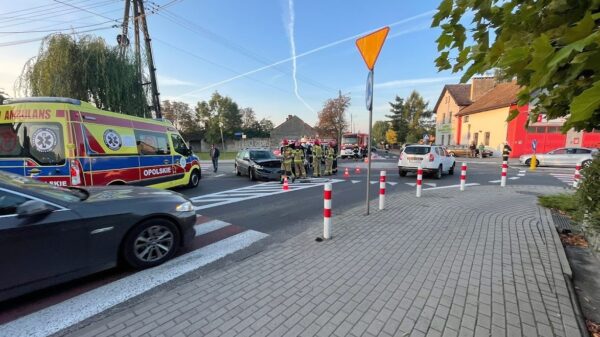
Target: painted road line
<point>391,183</point>
<point>411,184</point>
<point>430,184</point>
<point>209,226</point>
<point>355,181</point>
<point>72,311</point>
<point>219,175</point>
<point>494,181</point>
<point>450,186</point>
<point>250,192</point>
<point>514,178</point>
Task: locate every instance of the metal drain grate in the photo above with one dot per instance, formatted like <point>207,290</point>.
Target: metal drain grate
<point>562,223</point>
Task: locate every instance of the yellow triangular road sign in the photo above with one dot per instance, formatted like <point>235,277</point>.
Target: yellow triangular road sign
<point>370,46</point>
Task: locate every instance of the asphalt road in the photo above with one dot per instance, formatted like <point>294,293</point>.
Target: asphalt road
<point>264,207</point>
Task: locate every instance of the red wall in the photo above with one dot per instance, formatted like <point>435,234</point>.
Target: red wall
<point>520,140</point>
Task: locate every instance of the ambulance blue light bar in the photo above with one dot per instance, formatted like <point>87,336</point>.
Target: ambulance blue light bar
<point>44,100</point>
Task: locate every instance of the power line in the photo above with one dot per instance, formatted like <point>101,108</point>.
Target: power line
<point>18,42</point>
<point>85,10</point>
<point>57,30</point>
<point>57,8</point>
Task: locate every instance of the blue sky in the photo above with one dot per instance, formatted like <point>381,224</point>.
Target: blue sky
<point>205,45</point>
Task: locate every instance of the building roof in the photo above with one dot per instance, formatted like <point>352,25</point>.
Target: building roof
<point>502,95</point>
<point>460,93</point>
<point>294,123</point>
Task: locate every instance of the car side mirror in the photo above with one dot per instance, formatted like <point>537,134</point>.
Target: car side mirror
<point>32,208</point>
<point>246,158</point>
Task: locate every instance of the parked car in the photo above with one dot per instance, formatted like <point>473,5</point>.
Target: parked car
<point>566,156</point>
<point>258,163</point>
<point>464,151</point>
<point>50,234</point>
<point>432,159</point>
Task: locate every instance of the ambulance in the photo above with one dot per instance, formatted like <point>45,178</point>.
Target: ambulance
<point>67,142</point>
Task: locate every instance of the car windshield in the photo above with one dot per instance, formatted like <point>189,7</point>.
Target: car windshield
<point>261,155</point>
<point>48,190</point>
<point>417,150</point>
<point>349,140</point>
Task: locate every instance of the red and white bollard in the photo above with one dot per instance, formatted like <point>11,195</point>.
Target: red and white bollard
<point>504,170</point>
<point>577,176</point>
<point>419,181</point>
<point>382,178</point>
<point>327,211</point>
<point>463,176</point>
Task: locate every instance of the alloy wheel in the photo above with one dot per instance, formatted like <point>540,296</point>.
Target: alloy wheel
<point>153,243</point>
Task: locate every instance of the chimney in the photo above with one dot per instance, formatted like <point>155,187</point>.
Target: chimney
<point>481,85</point>
<point>289,117</point>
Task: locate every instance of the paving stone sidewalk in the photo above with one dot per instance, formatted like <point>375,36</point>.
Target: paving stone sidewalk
<point>484,262</point>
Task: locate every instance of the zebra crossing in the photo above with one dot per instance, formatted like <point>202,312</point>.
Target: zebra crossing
<point>566,178</point>
<point>254,191</point>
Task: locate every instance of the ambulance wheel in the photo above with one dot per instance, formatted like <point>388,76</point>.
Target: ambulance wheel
<point>150,243</point>
<point>194,179</point>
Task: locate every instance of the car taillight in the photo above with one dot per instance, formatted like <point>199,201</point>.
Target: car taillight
<point>431,158</point>
<point>75,174</point>
<point>400,155</point>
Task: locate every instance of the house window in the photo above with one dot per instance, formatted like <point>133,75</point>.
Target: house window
<point>466,119</point>
<point>450,117</point>
<point>540,129</point>
<point>531,129</point>
<point>443,118</point>
<point>443,137</point>
<point>486,140</point>
<point>476,138</point>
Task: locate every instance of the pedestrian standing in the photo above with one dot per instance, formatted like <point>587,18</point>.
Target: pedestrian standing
<point>329,160</point>
<point>473,149</point>
<point>317,153</point>
<point>481,149</point>
<point>299,160</point>
<point>214,156</point>
<point>506,150</point>
<point>286,162</point>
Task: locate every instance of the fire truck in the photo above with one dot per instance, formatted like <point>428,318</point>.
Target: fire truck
<point>354,145</point>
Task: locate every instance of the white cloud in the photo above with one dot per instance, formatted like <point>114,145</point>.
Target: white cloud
<point>171,81</point>
<point>415,82</point>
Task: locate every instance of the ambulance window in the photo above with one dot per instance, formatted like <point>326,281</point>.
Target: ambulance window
<point>179,145</point>
<point>42,142</point>
<point>152,143</point>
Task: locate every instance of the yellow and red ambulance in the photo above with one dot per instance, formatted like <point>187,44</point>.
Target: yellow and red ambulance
<point>67,142</point>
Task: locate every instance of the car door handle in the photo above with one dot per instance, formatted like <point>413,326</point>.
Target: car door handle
<point>34,171</point>
<point>167,161</point>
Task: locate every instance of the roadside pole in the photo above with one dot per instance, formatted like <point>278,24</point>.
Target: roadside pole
<point>369,47</point>
<point>382,179</point>
<point>463,176</point>
<point>327,211</point>
<point>504,171</point>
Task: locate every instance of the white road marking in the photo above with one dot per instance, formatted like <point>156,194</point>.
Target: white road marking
<point>210,226</point>
<point>566,178</point>
<point>74,310</point>
<point>219,175</point>
<point>449,186</point>
<point>494,181</point>
<point>252,192</point>
<point>520,175</point>
<point>374,182</point>
<point>411,184</point>
<point>355,181</point>
<point>392,183</point>
<point>431,184</point>
<point>514,178</point>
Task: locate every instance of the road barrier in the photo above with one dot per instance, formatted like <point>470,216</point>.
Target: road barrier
<point>346,173</point>
<point>577,176</point>
<point>463,176</point>
<point>327,211</point>
<point>357,170</point>
<point>419,181</point>
<point>382,178</point>
<point>504,170</point>
<point>286,187</point>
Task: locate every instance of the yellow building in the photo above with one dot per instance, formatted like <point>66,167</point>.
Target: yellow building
<point>453,99</point>
<point>484,121</point>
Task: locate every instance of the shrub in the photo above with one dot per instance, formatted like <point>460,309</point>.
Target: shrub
<point>588,194</point>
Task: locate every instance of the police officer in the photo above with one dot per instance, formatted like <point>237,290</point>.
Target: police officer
<point>330,154</point>
<point>299,160</point>
<point>506,151</point>
<point>317,153</point>
<point>286,162</point>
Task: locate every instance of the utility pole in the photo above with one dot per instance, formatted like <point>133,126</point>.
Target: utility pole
<point>139,18</point>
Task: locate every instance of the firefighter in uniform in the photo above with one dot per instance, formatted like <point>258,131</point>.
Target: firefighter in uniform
<point>329,159</point>
<point>299,160</point>
<point>317,153</point>
<point>286,163</point>
<point>506,151</point>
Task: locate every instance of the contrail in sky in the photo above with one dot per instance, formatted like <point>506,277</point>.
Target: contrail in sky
<point>290,27</point>
<point>312,51</point>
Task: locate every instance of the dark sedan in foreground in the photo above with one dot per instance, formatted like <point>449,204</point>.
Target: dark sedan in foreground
<point>50,235</point>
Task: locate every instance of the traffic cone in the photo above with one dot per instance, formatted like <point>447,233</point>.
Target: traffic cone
<point>285,184</point>
<point>366,160</point>
<point>346,173</point>
<point>357,170</point>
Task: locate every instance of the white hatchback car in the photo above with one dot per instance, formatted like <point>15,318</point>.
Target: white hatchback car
<point>432,159</point>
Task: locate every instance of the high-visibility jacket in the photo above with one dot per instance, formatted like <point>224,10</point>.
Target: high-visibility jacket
<point>298,156</point>
<point>330,153</point>
<point>288,155</point>
<point>317,151</point>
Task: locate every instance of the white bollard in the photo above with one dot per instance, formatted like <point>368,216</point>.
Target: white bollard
<point>463,176</point>
<point>504,170</point>
<point>419,180</point>
<point>327,211</point>
<point>577,176</point>
<point>382,177</point>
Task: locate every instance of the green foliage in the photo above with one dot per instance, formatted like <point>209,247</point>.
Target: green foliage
<point>85,68</point>
<point>411,118</point>
<point>379,130</point>
<point>551,47</point>
<point>588,194</point>
<point>566,203</point>
<point>332,118</point>
<point>183,118</point>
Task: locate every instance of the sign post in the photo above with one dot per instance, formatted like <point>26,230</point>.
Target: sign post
<point>533,163</point>
<point>369,47</point>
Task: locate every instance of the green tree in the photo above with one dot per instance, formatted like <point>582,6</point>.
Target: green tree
<point>332,118</point>
<point>551,47</point>
<point>85,68</point>
<point>398,118</point>
<point>391,137</point>
<point>218,110</point>
<point>379,130</point>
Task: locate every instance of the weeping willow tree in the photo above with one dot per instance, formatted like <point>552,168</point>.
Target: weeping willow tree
<point>85,68</point>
